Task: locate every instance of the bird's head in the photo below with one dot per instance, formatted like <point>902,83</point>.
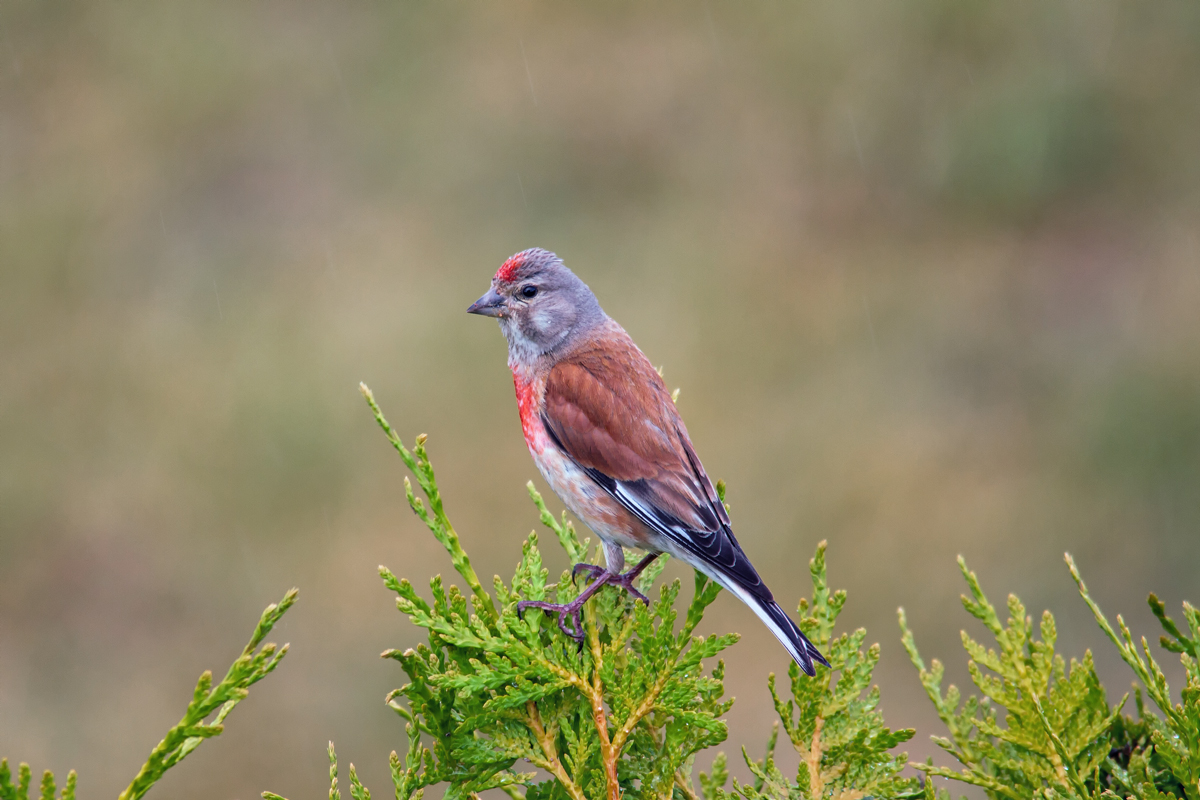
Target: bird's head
<point>540,304</point>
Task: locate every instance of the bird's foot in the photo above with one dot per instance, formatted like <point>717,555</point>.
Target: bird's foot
<point>564,610</point>
<point>574,608</point>
<point>602,576</point>
<point>625,581</point>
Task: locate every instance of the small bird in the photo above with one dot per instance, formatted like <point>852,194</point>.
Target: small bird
<point>605,434</point>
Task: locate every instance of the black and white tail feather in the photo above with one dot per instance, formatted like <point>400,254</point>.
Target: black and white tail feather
<point>803,652</point>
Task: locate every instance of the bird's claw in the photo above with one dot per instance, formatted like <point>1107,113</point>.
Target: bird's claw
<point>624,580</point>
<point>576,629</point>
<point>593,570</point>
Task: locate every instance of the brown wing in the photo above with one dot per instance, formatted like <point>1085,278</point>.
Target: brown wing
<point>609,410</point>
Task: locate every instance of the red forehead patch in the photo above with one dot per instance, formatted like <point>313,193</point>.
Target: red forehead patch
<point>508,270</point>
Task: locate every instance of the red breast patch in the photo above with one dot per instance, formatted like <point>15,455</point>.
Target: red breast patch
<point>531,423</point>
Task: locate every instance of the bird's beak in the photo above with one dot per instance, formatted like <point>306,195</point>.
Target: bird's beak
<point>491,304</point>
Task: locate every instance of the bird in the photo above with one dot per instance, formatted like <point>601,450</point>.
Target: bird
<point>605,434</point>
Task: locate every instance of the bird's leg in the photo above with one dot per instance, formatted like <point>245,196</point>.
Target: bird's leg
<point>625,581</point>
<point>614,557</point>
<point>574,608</point>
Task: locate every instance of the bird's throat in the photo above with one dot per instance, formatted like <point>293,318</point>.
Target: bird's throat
<point>523,352</point>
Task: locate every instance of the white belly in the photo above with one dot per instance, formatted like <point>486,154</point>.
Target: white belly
<point>585,499</point>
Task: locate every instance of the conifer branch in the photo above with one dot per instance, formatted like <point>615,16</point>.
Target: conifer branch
<point>254,664</point>
<point>550,761</point>
<point>438,523</point>
<point>1163,755</point>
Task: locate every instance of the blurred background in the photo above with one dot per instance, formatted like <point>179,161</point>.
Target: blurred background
<point>927,273</point>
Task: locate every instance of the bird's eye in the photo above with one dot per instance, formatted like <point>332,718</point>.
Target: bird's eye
<point>529,292</point>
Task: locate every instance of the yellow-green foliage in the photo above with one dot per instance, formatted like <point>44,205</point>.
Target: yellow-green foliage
<point>256,661</point>
<point>1053,735</point>
<point>1156,758</point>
<point>832,720</point>
<point>20,789</point>
<point>1041,731</point>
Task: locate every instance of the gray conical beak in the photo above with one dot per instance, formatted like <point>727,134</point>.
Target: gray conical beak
<point>491,304</point>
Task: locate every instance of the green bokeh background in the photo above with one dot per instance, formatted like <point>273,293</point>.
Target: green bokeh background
<point>928,274</point>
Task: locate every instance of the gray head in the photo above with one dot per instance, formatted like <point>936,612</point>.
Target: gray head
<point>540,304</point>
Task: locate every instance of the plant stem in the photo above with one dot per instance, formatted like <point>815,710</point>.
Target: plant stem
<point>551,764</point>
<point>608,752</point>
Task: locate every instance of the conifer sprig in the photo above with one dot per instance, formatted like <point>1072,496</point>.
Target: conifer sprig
<point>254,664</point>
<point>831,720</point>
<point>20,789</point>
<point>256,661</point>
<point>435,516</point>
<point>1168,765</point>
<point>1054,736</point>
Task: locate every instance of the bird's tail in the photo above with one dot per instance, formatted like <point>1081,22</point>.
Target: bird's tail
<point>804,652</point>
<point>788,632</point>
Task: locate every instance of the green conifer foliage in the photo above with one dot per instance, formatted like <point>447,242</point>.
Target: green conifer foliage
<point>624,714</point>
<point>1054,736</point>
<point>20,789</point>
<point>1156,758</point>
<point>256,662</point>
<point>832,720</point>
